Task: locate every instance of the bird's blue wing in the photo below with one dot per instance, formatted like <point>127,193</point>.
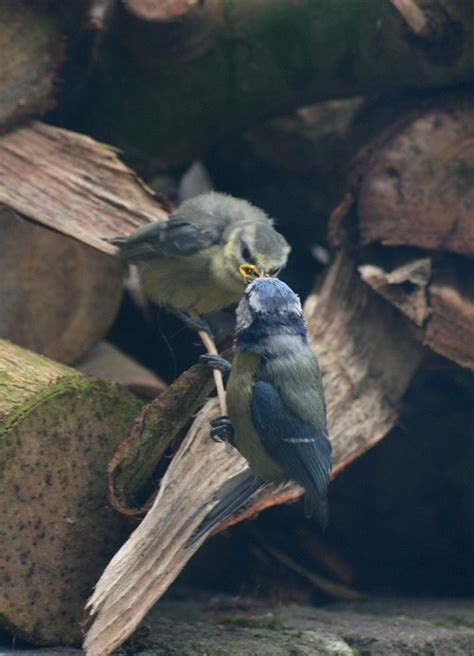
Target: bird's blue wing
<point>303,450</point>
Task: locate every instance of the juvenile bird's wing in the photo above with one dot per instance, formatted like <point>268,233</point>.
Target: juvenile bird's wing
<point>233,495</point>
<point>176,235</point>
<point>303,450</point>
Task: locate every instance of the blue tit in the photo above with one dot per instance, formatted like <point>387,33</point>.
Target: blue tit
<point>275,399</point>
<point>201,257</point>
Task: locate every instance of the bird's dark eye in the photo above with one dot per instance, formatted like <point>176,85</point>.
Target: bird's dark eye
<point>273,273</point>
<point>246,255</point>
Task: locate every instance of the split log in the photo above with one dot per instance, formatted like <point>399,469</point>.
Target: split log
<point>250,62</point>
<point>413,185</point>
<point>61,194</point>
<point>58,430</point>
<point>437,297</point>
<point>74,185</point>
<point>367,355</point>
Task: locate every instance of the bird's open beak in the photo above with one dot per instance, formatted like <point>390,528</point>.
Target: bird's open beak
<point>250,271</point>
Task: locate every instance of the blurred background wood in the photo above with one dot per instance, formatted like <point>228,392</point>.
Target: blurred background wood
<point>107,361</point>
<point>33,50</point>
<point>193,82</point>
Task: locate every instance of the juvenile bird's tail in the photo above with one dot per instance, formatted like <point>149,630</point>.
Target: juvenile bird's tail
<point>233,495</point>
<point>116,241</point>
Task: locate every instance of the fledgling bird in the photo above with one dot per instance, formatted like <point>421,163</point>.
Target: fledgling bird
<point>275,400</point>
<point>201,257</point>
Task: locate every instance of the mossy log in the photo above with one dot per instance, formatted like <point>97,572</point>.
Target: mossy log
<point>221,66</point>
<point>367,355</point>
<point>58,430</point>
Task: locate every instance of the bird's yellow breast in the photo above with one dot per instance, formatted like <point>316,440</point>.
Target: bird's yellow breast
<point>247,440</point>
<point>192,283</point>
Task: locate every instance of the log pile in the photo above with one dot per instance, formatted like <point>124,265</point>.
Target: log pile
<point>103,451</point>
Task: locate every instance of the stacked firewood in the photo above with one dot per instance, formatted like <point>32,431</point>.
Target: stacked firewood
<point>166,82</point>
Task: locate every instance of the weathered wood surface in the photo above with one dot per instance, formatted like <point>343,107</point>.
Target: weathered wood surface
<point>58,297</point>
<point>58,430</point>
<point>61,194</point>
<point>437,296</point>
<point>413,186</point>
<point>33,49</point>
<point>367,355</point>
<point>73,184</point>
<point>250,61</point>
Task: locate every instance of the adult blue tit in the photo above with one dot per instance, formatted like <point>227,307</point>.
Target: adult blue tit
<point>201,257</point>
<point>275,400</point>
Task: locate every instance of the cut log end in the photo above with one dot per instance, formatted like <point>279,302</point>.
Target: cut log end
<point>57,435</point>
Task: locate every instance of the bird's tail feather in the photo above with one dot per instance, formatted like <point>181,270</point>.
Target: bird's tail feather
<point>233,495</point>
<point>116,241</point>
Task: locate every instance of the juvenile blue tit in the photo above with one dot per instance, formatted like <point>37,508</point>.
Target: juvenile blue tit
<point>201,257</point>
<point>275,399</point>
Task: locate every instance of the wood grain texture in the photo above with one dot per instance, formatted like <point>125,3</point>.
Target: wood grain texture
<point>227,65</point>
<point>72,184</point>
<point>437,294</point>
<point>450,327</point>
<point>418,186</point>
<point>58,430</point>
<point>367,355</point>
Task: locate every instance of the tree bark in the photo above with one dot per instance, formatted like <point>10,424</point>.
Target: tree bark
<point>367,355</point>
<point>223,66</point>
<point>58,430</point>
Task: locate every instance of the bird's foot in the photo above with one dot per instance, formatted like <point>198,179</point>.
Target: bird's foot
<point>222,429</point>
<point>216,362</point>
<point>194,323</point>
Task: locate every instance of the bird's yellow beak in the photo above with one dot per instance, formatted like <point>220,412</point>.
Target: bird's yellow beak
<point>250,271</point>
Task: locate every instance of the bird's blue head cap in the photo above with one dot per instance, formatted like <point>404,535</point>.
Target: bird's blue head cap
<point>269,308</point>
